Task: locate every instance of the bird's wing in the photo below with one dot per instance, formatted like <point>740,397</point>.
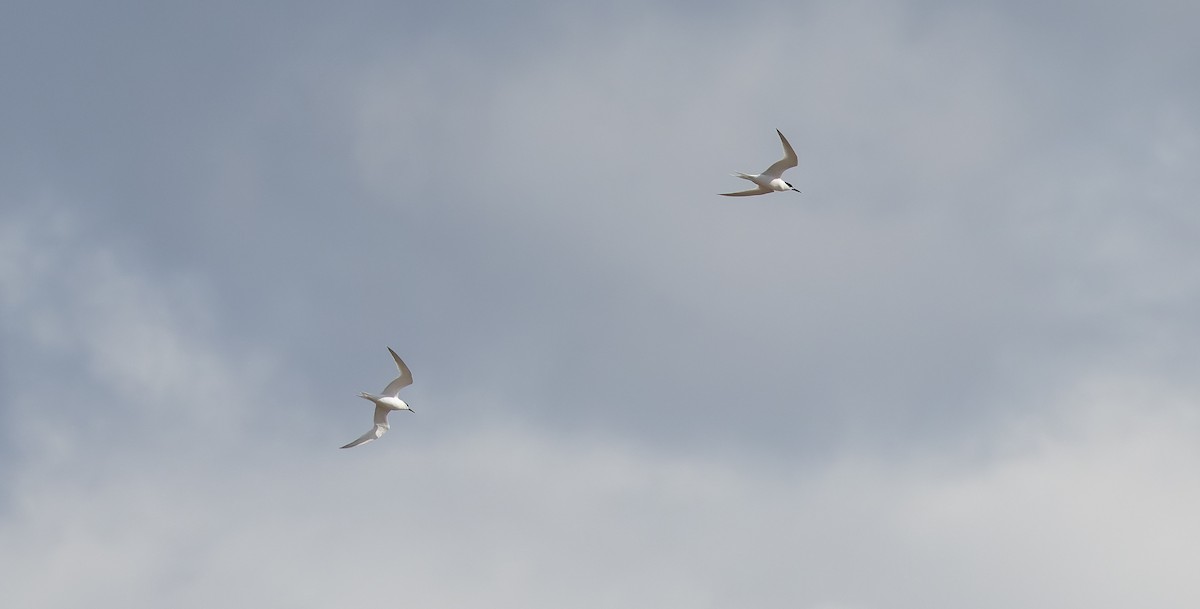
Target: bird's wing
<point>374,434</point>
<point>381,425</point>
<point>788,161</point>
<point>761,190</point>
<point>402,381</point>
<point>381,414</point>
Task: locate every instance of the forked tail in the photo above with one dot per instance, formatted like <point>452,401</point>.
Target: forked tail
<point>744,176</point>
<point>369,396</point>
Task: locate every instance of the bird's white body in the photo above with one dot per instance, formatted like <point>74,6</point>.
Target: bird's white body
<point>386,403</point>
<point>770,180</point>
<point>765,181</point>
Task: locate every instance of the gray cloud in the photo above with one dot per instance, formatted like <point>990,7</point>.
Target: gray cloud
<point>958,370</point>
<point>1088,507</point>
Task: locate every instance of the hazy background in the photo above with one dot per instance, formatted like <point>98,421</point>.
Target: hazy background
<point>959,370</point>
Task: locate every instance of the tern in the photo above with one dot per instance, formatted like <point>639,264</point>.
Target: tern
<point>389,401</point>
<point>770,180</point>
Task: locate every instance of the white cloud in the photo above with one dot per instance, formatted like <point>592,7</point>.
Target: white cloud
<point>116,339</point>
<point>957,372</point>
<point>1098,513</point>
<point>1089,504</point>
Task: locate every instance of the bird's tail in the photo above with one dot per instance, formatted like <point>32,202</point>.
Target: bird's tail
<point>744,176</point>
<point>369,396</point>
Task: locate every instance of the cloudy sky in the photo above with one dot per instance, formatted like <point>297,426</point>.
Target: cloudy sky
<point>959,370</point>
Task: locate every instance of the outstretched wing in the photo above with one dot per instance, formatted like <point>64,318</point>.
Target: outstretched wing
<point>381,425</point>
<point>402,381</point>
<point>788,161</point>
<point>761,190</point>
<point>374,434</point>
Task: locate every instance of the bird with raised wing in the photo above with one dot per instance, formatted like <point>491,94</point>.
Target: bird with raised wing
<point>770,180</point>
<point>384,404</point>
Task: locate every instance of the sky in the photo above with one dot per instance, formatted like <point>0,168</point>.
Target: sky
<point>958,370</point>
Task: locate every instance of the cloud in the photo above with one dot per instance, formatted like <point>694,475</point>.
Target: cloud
<point>112,331</point>
<point>973,235</point>
<point>958,371</point>
<point>963,250</point>
<point>1086,504</point>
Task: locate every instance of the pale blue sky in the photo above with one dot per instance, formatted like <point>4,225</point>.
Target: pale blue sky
<point>957,371</point>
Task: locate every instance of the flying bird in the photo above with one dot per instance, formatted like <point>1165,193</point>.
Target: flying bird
<point>389,401</point>
<point>770,180</point>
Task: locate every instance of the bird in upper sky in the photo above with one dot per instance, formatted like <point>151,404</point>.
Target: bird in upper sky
<point>384,404</point>
<point>770,180</point>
